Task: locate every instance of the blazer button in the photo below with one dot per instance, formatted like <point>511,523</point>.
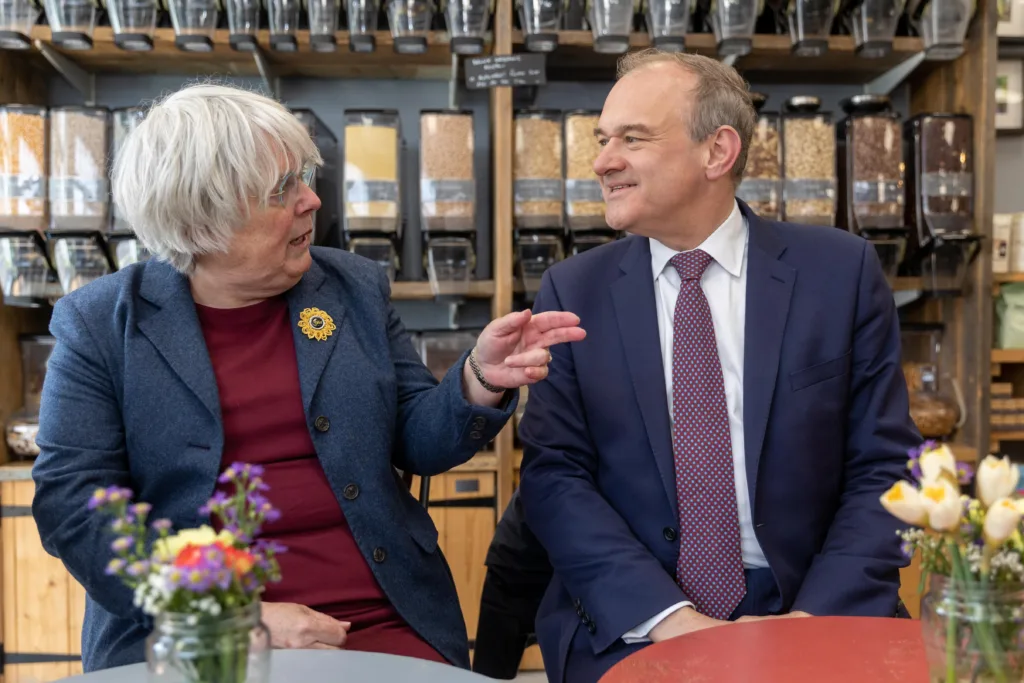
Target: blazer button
<point>669,533</point>
<point>479,423</point>
<point>351,492</point>
<point>322,424</point>
<point>592,628</point>
<point>475,435</point>
<point>379,555</point>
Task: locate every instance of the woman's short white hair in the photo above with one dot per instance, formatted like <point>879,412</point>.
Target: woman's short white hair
<point>188,175</point>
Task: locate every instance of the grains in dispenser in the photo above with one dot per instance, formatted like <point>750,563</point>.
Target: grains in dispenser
<point>79,192</point>
<point>371,143</point>
<point>584,201</point>
<point>810,165</point>
<point>447,183</point>
<point>537,169</point>
<point>761,187</point>
<point>23,169</point>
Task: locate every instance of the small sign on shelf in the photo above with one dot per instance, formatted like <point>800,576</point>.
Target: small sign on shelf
<point>506,71</point>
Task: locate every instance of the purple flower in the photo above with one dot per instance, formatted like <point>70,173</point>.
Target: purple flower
<point>115,566</point>
<point>222,577</point>
<point>255,470</point>
<point>250,583</point>
<point>122,544</point>
<point>217,503</point>
<point>908,549</point>
<point>257,500</point>
<point>260,486</point>
<point>197,580</point>
<point>213,557</point>
<point>116,494</point>
<point>120,526</point>
<point>99,497</point>
<point>175,577</point>
<point>137,569</point>
<point>272,515</point>
<point>915,469</point>
<point>964,473</point>
<point>162,525</point>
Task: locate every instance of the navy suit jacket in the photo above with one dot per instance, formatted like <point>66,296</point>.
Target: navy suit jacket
<point>826,429</point>
<point>130,399</point>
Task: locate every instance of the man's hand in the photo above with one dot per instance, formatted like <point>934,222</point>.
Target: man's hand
<point>298,627</point>
<point>788,615</point>
<point>681,622</point>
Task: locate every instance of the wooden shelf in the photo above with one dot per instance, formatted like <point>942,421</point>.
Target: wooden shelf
<point>1002,278</point>
<point>770,61</point>
<point>412,291</point>
<point>1008,355</point>
<point>165,57</point>
<point>996,436</point>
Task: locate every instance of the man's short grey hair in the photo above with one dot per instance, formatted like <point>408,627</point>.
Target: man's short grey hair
<point>722,97</point>
<point>202,157</point>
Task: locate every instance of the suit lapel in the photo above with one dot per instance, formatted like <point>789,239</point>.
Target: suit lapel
<point>172,326</point>
<point>633,297</point>
<point>769,289</point>
<point>313,354</point>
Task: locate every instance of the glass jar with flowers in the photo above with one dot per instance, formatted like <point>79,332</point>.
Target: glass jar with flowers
<point>201,587</point>
<point>972,616</point>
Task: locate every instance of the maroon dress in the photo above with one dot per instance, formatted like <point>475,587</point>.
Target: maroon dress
<point>253,355</point>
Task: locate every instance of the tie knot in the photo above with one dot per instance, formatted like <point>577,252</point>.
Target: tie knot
<point>691,264</point>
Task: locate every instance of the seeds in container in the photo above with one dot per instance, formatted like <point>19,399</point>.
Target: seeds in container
<point>810,161</point>
<point>79,191</point>
<point>584,201</point>
<point>447,184</point>
<point>537,169</point>
<point>23,167</point>
<point>761,187</point>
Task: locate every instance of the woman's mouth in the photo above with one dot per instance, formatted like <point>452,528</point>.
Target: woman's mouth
<point>302,240</point>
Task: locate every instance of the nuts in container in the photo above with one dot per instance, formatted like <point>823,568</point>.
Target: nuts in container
<point>808,139</point>
<point>537,169</point>
<point>23,167</point>
<point>584,200</point>
<point>761,187</point>
<point>78,189</point>
<point>447,184</point>
<point>871,164</point>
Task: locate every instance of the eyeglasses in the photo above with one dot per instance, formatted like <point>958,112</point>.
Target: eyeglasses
<point>288,182</point>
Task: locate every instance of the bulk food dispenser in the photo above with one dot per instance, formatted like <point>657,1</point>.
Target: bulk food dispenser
<point>668,22</point>
<point>761,187</point>
<point>324,17</point>
<point>467,22</point>
<point>284,22</point>
<point>540,20</point>
<point>936,402</point>
<point>371,195</point>
<point>133,22</point>
<point>363,17</point>
<point>410,22</point>
<point>327,228</point>
<point>194,22</point>
<point>27,277</point>
<point>243,24</point>
<point>942,25</point>
<point>447,196</point>
<point>17,17</point>
<point>71,22</point>
<point>872,23</point>
<point>611,22</point>
<point>871,186</point>
<point>22,427</point>
<point>809,162</point>
<point>939,154</point>
<point>79,195</point>
<point>123,245</point>
<point>810,23</point>
<point>584,206</point>
<point>732,22</point>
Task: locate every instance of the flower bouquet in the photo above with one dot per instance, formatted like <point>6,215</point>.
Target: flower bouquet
<point>972,557</point>
<point>201,587</point>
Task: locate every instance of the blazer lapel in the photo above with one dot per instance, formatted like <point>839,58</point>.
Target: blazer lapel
<point>769,289</point>
<point>633,296</point>
<point>172,326</point>
<point>313,354</point>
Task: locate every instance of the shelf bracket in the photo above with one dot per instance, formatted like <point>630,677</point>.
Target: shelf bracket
<point>902,298</point>
<point>271,81</point>
<point>453,84</point>
<point>891,79</point>
<point>730,60</point>
<point>77,77</point>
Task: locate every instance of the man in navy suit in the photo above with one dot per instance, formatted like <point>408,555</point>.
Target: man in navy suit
<point>716,448</point>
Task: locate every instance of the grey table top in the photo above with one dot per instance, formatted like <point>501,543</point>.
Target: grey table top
<point>322,666</point>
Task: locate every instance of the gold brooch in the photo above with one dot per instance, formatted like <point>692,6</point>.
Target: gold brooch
<point>316,324</point>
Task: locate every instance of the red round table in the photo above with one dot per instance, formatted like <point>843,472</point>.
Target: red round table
<point>798,650</point>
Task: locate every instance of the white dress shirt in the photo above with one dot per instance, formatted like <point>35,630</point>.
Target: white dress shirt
<point>725,286</point>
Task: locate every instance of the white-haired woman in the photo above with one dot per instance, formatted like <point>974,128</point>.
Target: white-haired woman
<point>241,343</point>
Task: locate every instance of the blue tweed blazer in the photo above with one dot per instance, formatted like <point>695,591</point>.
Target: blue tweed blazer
<point>130,399</point>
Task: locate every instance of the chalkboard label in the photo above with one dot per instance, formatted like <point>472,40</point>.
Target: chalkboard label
<point>505,70</point>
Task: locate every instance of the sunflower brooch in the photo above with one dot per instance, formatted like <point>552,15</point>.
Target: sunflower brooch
<point>316,324</point>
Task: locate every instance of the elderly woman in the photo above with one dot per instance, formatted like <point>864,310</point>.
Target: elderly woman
<point>240,342</point>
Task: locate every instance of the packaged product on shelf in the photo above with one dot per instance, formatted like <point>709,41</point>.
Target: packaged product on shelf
<point>447,181</point>
<point>761,187</point>
<point>71,22</point>
<point>410,22</point>
<point>284,22</point>
<point>809,153</point>
<point>611,22</point>
<point>467,22</point>
<point>537,169</point>
<point>667,23</point>
<point>23,167</point>
<point>78,188</point>
<point>134,23</point>
<point>871,164</point>
<point>372,148</point>
<point>1002,234</point>
<point>16,24</point>
<point>243,23</point>
<point>584,200</point>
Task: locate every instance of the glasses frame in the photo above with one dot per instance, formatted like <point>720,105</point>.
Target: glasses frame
<point>305,176</point>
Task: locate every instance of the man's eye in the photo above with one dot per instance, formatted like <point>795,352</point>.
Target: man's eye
<point>629,139</point>
<point>602,142</point>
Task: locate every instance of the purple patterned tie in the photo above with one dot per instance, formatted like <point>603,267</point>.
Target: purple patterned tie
<point>710,566</point>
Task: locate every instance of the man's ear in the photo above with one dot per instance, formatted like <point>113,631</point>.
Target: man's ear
<point>723,150</point>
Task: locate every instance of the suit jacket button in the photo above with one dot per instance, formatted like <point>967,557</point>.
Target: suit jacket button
<point>479,423</point>
<point>351,492</point>
<point>475,435</point>
<point>592,628</point>
<point>379,555</point>
<point>577,602</point>
<point>322,424</point>
<point>669,533</point>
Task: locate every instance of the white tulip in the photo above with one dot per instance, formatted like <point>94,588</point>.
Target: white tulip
<point>936,461</point>
<point>996,478</point>
<point>1001,521</point>
<point>903,501</point>
<point>942,502</point>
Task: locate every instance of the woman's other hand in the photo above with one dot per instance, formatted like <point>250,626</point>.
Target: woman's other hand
<point>298,627</point>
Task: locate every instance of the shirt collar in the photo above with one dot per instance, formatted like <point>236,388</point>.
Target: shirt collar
<point>725,245</point>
